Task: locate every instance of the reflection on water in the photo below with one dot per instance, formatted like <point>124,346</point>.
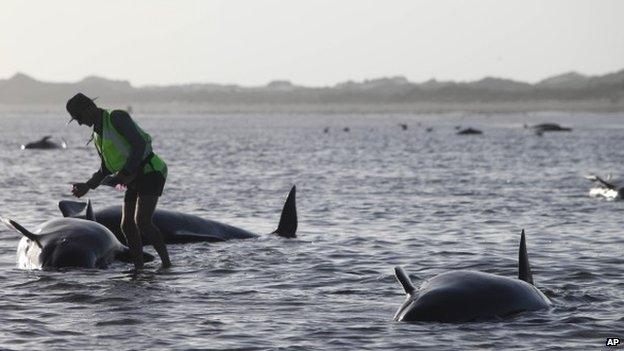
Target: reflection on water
<point>368,200</point>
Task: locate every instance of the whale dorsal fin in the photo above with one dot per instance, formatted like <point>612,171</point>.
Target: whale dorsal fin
<point>404,279</point>
<point>288,220</point>
<point>90,215</point>
<point>71,208</point>
<point>524,268</point>
<point>15,226</point>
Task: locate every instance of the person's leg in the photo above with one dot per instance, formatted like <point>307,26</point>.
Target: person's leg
<point>146,205</point>
<point>131,232</point>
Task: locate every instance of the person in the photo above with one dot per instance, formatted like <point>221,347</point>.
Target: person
<point>125,151</point>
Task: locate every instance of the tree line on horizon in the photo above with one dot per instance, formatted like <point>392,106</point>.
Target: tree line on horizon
<point>609,88</point>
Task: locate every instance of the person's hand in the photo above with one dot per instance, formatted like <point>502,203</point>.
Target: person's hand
<point>79,189</point>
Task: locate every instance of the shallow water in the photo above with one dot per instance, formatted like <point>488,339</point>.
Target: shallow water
<point>368,200</point>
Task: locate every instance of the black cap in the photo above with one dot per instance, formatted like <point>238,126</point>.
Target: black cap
<point>78,103</point>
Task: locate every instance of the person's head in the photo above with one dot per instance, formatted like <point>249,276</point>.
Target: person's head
<point>82,109</point>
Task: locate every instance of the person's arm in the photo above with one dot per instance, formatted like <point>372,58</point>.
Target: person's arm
<point>80,189</point>
<point>123,123</point>
<point>97,177</point>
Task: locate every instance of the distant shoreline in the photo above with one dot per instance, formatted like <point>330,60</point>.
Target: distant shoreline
<point>571,92</point>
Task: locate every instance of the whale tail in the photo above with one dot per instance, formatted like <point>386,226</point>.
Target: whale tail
<point>71,208</point>
<point>524,268</point>
<point>404,279</point>
<point>287,227</point>
<point>15,226</point>
<point>606,183</point>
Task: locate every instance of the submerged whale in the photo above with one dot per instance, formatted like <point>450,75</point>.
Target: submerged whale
<point>607,188</point>
<point>464,296</point>
<point>469,131</point>
<point>69,242</point>
<point>549,127</point>
<point>45,144</point>
<point>179,228</point>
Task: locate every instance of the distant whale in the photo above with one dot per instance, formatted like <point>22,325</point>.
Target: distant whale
<point>607,189</point>
<point>45,144</point>
<point>542,128</point>
<point>69,242</point>
<point>464,296</point>
<point>550,127</point>
<point>178,228</point>
<point>469,131</point>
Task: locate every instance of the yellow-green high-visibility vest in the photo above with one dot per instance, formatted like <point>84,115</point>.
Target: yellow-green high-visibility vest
<point>115,149</point>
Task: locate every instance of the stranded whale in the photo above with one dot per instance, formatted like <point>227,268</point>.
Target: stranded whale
<point>608,189</point>
<point>463,296</point>
<point>69,242</point>
<point>178,228</point>
<point>548,127</point>
<point>45,144</point>
<point>469,131</point>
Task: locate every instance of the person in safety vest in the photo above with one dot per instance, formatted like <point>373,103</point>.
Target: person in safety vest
<point>126,152</point>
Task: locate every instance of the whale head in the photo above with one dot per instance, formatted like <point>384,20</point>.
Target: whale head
<point>68,242</point>
<point>56,247</point>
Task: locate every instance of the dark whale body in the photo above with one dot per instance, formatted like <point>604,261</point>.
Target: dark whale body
<point>179,228</point>
<point>44,144</point>
<point>469,131</point>
<point>464,296</point>
<point>69,242</point>
<point>550,127</point>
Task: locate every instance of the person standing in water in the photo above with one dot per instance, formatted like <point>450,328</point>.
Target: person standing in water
<point>126,152</point>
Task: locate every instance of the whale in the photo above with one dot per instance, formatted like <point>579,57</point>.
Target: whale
<point>607,189</point>
<point>467,296</point>
<point>548,127</point>
<point>181,228</point>
<point>44,144</point>
<point>69,243</point>
<point>469,131</point>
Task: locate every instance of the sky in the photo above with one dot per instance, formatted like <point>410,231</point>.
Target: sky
<point>309,42</point>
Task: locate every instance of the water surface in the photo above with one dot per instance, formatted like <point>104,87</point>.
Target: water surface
<point>368,200</point>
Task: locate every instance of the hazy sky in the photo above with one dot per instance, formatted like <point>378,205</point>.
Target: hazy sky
<point>310,42</point>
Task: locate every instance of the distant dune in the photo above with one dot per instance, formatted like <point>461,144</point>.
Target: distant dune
<point>569,91</point>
